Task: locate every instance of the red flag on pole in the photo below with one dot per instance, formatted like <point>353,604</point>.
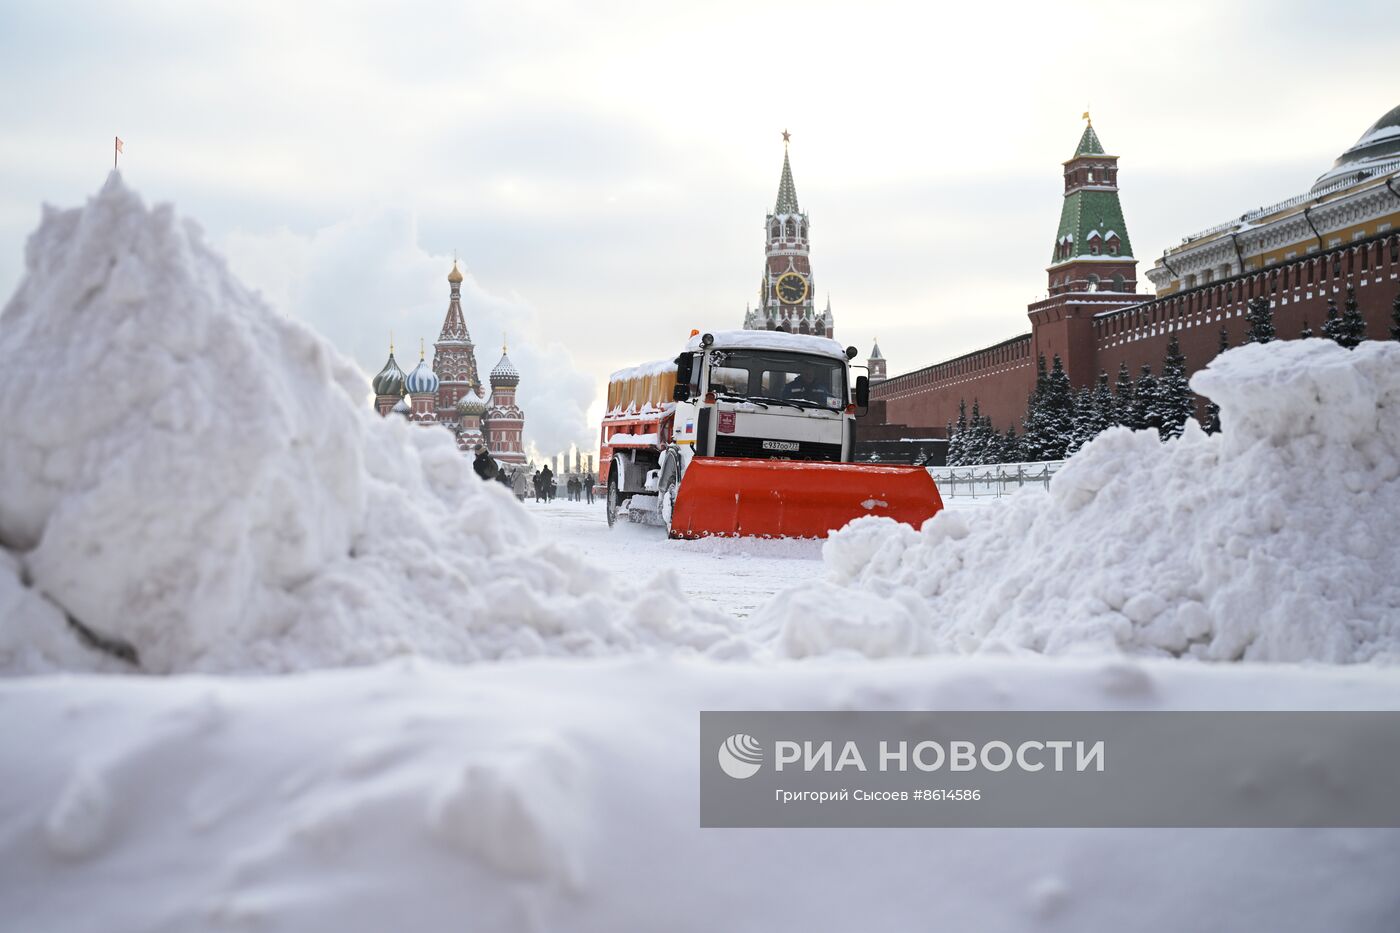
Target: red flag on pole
<point>116,149</point>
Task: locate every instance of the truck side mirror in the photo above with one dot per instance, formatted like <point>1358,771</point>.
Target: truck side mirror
<point>685,365</point>
<point>863,391</point>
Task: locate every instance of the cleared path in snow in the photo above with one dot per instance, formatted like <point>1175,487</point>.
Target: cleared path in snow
<point>735,575</point>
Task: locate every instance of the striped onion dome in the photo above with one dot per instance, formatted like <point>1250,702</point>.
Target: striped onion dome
<point>390,378</point>
<point>471,404</point>
<point>422,381</point>
<point>505,373</point>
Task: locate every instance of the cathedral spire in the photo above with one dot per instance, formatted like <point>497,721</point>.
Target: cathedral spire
<point>454,325</point>
<point>787,191</point>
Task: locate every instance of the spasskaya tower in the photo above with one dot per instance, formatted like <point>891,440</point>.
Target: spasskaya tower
<point>787,291</point>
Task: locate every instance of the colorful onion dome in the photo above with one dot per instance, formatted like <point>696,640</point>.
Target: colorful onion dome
<point>422,381</point>
<point>505,373</point>
<point>471,404</point>
<point>390,378</point>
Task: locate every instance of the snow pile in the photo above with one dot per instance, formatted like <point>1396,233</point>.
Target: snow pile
<point>1273,541</point>
<point>553,795</point>
<point>189,478</point>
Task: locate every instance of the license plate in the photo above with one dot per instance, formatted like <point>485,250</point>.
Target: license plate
<point>780,445</point>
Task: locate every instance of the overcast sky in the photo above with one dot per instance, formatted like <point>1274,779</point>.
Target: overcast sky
<point>602,169</point>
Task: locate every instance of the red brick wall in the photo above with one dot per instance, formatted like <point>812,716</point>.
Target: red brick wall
<point>1000,378</point>
<point>1094,333</point>
<point>1298,291</point>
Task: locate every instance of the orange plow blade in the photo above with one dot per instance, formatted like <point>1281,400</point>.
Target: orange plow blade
<point>795,498</point>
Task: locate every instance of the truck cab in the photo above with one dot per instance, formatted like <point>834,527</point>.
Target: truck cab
<point>758,395</point>
<point>765,395</point>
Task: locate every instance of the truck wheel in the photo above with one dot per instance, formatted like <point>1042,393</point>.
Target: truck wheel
<point>612,502</point>
<point>666,504</point>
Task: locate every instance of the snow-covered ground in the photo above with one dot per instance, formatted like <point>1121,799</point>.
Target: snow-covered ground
<point>379,693</point>
<point>561,795</point>
<point>735,576</point>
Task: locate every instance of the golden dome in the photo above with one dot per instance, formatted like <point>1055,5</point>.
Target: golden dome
<point>455,276</point>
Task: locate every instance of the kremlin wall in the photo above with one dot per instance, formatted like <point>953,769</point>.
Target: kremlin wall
<point>1341,234</point>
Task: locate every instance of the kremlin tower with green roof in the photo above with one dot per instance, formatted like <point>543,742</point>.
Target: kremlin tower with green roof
<point>1092,252</point>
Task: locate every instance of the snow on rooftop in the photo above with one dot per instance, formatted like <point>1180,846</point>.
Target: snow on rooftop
<point>771,340</point>
<point>655,367</point>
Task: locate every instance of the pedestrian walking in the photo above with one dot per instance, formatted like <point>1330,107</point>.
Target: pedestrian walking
<point>484,466</point>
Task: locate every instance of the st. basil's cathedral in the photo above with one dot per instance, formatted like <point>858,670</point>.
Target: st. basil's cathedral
<point>449,394</point>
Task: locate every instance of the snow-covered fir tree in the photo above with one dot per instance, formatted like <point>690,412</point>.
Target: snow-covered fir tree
<point>1107,410</point>
<point>1032,426</point>
<point>1395,318</point>
<point>1332,326</point>
<point>1094,413</point>
<point>957,436</point>
<point>988,442</point>
<point>1175,401</point>
<point>1147,402</point>
<point>1011,446</point>
<point>975,447</point>
<point>1261,321</point>
<point>1212,424</point>
<point>1082,430</point>
<point>1353,326</point>
<point>1059,412</point>
<point>1123,391</point>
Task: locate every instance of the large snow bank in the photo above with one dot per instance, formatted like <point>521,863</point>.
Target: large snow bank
<point>1274,540</point>
<point>189,474</point>
<point>553,795</point>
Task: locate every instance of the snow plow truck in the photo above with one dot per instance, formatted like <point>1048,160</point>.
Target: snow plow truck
<point>748,433</point>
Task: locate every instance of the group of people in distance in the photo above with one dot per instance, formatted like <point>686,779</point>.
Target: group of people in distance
<point>578,486</point>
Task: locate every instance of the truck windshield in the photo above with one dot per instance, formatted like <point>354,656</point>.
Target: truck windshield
<point>798,379</point>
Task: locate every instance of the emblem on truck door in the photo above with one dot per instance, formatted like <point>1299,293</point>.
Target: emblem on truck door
<point>726,422</point>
